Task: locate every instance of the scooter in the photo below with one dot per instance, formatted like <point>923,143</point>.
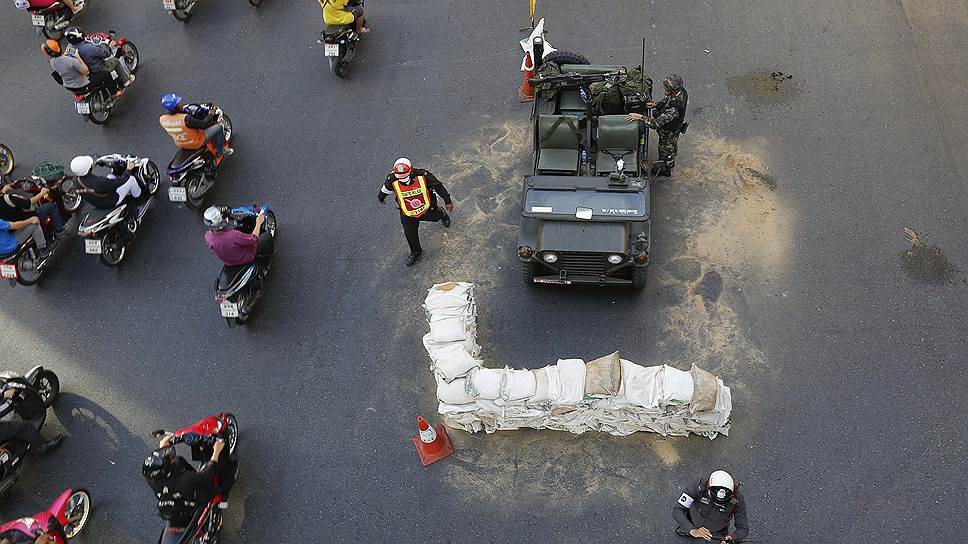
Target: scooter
<point>97,103</point>
<point>339,45</point>
<point>238,288</point>
<point>207,521</point>
<point>36,392</point>
<point>27,264</point>
<point>65,519</point>
<point>193,171</point>
<point>183,10</point>
<point>107,232</point>
<point>50,17</point>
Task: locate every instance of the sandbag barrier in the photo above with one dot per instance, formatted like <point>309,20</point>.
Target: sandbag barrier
<point>609,394</point>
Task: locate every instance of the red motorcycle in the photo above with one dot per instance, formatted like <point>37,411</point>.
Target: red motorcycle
<point>26,265</point>
<point>50,16</point>
<point>64,519</point>
<point>205,524</point>
<point>98,102</point>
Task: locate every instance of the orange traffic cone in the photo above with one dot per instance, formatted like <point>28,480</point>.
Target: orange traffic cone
<point>526,91</point>
<point>432,446</point>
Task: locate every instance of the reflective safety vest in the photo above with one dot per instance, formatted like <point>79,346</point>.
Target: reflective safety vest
<point>414,201</point>
<point>184,136</point>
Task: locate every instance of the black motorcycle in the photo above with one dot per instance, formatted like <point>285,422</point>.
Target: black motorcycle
<point>339,44</point>
<point>239,287</point>
<point>193,171</point>
<point>106,232</point>
<point>36,391</point>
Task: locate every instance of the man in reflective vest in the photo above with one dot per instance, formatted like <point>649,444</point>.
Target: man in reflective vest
<point>416,193</point>
<point>706,508</point>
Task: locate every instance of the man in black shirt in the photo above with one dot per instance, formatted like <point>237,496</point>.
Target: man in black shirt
<point>416,193</point>
<point>108,192</point>
<point>13,426</point>
<point>99,60</point>
<point>706,508</point>
<point>17,207</point>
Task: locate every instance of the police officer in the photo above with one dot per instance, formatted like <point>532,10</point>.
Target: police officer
<point>668,120</point>
<point>416,193</point>
<point>705,509</point>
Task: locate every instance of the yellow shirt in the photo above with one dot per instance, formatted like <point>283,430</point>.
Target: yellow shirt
<point>333,13</point>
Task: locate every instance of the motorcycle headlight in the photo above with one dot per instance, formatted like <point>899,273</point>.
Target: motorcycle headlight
<point>615,259</point>
<point>550,258</point>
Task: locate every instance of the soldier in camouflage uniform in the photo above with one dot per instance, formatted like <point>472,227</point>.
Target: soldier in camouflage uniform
<point>668,121</point>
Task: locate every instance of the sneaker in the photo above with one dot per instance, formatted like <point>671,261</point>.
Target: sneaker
<point>412,258</point>
<point>446,221</point>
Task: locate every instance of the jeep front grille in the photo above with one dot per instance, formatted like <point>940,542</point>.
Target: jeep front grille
<point>582,264</point>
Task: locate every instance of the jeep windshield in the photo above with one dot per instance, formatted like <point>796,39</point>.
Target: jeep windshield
<point>585,204</point>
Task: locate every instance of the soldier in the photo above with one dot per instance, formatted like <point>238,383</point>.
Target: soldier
<point>706,508</point>
<point>416,193</point>
<point>668,121</point>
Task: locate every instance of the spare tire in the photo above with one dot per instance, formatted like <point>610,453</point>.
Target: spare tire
<point>565,57</point>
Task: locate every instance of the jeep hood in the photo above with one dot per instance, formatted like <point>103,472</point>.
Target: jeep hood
<point>584,236</point>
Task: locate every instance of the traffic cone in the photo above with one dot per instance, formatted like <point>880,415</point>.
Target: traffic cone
<point>432,446</point>
<point>526,91</point>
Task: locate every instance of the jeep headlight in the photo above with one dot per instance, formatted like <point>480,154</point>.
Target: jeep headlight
<point>615,259</point>
<point>550,258</point>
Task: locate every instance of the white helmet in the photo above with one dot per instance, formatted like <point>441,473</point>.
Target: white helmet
<point>721,487</point>
<point>81,165</point>
<point>402,167</point>
<point>214,219</point>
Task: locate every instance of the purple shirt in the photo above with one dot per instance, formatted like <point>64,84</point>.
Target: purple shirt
<point>232,247</point>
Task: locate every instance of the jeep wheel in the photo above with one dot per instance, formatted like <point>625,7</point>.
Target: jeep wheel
<point>565,57</point>
<point>527,272</point>
<point>639,275</point>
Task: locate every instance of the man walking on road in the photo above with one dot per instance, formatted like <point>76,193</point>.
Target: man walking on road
<point>416,192</point>
<point>668,121</point>
<point>706,508</point>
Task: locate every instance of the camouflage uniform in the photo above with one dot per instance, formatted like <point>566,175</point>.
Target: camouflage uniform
<point>670,112</point>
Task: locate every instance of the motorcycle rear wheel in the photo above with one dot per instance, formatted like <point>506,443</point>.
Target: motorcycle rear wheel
<point>27,272</point>
<point>231,433</point>
<point>113,248</point>
<point>48,385</point>
<point>99,108</point>
<point>193,198</point>
<point>6,160</point>
<point>341,69</point>
<point>78,511</point>
<point>132,59</point>
<point>184,15</point>
<point>72,200</point>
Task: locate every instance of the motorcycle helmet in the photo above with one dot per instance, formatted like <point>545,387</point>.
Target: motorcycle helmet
<point>158,462</point>
<point>74,35</point>
<point>170,102</point>
<point>673,83</point>
<point>82,165</point>
<point>214,219</point>
<point>721,488</point>
<point>22,4</point>
<point>51,47</point>
<point>402,168</point>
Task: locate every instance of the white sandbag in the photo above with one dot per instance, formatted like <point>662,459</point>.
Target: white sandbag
<point>448,295</point>
<point>445,409</point>
<point>452,361</point>
<point>546,385</point>
<point>571,381</point>
<point>484,383</point>
<point>453,392</point>
<point>641,385</point>
<point>677,385</point>
<point>518,385</point>
<point>452,329</point>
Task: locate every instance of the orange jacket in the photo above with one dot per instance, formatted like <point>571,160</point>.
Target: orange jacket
<point>184,136</point>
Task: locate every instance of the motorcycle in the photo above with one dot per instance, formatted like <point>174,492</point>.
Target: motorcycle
<point>207,521</point>
<point>107,232</point>
<point>37,391</point>
<point>238,288</point>
<point>27,265</point>
<point>6,160</point>
<point>65,519</point>
<point>183,10</point>
<point>193,171</point>
<point>339,45</point>
<point>52,17</point>
<point>98,102</point>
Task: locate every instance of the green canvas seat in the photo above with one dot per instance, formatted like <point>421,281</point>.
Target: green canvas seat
<point>558,144</point>
<point>570,101</point>
<point>618,136</point>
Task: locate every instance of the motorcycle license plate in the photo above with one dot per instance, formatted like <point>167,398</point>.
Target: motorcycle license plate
<point>331,49</point>
<point>37,20</point>
<point>177,194</point>
<point>8,271</point>
<point>169,5</point>
<point>92,247</point>
<point>229,309</point>
<point>83,108</point>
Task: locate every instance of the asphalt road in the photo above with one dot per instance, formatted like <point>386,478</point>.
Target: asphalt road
<point>780,263</point>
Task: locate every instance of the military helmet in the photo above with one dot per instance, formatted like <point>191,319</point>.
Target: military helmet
<point>672,83</point>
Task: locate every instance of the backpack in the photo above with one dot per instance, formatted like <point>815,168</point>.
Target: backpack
<point>547,90</point>
<point>636,90</point>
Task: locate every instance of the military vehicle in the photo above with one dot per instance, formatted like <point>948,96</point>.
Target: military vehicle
<point>585,208</point>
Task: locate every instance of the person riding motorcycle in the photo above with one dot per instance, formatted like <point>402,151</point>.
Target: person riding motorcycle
<point>99,60</point>
<point>181,489</point>
<point>192,126</point>
<point>108,192</point>
<point>70,70</point>
<point>13,426</point>
<point>15,207</point>
<point>344,12</point>
<point>230,243</point>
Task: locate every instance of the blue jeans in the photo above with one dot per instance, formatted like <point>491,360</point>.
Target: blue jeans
<point>50,210</point>
<point>216,131</point>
